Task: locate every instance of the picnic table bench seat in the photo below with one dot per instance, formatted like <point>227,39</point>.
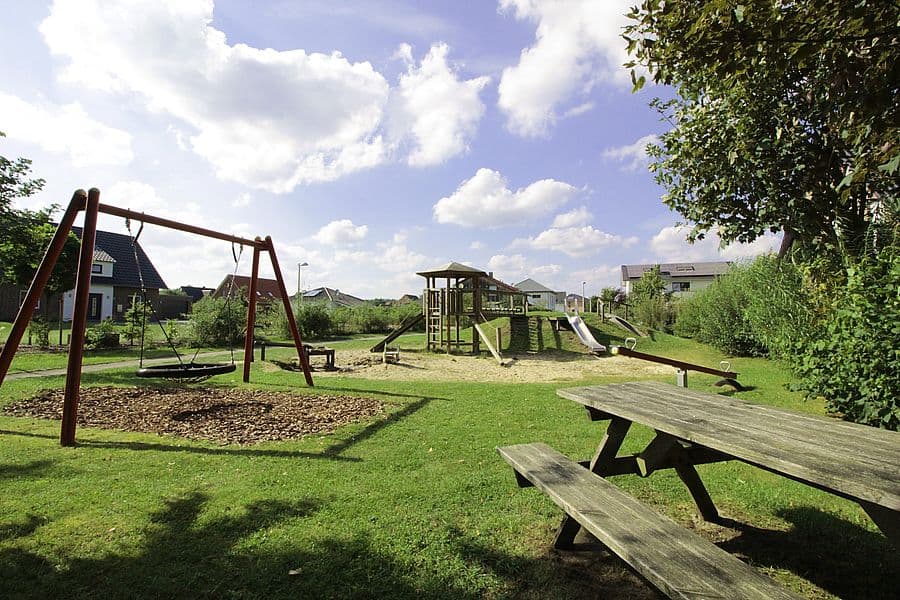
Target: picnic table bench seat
<point>675,560</point>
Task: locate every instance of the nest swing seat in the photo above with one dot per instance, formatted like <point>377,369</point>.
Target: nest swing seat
<point>186,371</point>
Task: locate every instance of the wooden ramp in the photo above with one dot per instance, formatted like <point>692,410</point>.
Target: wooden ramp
<point>404,326</point>
<point>487,342</point>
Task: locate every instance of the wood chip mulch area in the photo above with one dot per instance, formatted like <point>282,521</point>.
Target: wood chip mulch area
<point>226,416</point>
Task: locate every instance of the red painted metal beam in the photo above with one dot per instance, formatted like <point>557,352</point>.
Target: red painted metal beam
<point>79,320</point>
<point>41,277</point>
<point>145,218</point>
<point>251,314</point>
<point>301,352</point>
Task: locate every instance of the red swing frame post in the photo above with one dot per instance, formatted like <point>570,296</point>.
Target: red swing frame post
<point>90,203</point>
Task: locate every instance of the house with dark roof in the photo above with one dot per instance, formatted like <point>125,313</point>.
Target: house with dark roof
<point>540,295</point>
<point>115,277</point>
<point>681,278</point>
<point>267,290</point>
<point>333,298</point>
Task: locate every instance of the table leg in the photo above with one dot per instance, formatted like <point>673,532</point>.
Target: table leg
<point>603,459</point>
<point>691,479</point>
<point>888,521</point>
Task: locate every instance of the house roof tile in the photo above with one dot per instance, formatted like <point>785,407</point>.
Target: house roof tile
<point>125,274</point>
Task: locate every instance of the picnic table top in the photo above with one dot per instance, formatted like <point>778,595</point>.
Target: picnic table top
<point>855,461</point>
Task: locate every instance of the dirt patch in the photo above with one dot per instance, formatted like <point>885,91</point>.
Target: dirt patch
<point>522,368</point>
<point>226,416</point>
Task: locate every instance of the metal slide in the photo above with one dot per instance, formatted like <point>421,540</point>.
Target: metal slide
<point>406,325</point>
<point>584,334</point>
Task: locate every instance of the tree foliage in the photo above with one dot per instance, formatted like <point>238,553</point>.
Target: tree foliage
<point>785,118</point>
<point>854,362</point>
<point>25,234</point>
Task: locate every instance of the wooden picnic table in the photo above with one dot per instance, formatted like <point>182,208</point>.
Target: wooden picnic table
<point>853,461</point>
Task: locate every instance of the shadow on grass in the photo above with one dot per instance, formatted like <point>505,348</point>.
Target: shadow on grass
<point>840,557</point>
<point>10,531</point>
<point>229,556</point>
<point>587,572</point>
<point>36,468</point>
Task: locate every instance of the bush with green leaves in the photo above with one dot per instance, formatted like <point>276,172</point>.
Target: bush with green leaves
<point>778,306</point>
<point>136,326</point>
<point>39,332</point>
<point>217,322</point>
<point>715,315</point>
<point>651,301</point>
<point>761,308</point>
<point>854,361</point>
<point>102,335</point>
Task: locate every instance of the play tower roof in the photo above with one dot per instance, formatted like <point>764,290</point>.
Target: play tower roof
<point>453,270</point>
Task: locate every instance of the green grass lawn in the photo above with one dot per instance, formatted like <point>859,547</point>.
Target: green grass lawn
<point>415,503</point>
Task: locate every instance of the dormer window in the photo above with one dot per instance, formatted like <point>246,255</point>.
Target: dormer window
<point>684,268</point>
<point>96,268</point>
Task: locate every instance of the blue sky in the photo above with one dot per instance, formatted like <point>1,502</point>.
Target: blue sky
<point>370,138</point>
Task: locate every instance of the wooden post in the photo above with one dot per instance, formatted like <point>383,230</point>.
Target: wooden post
<point>295,333</point>
<point>79,320</point>
<point>681,378</point>
<point>251,313</point>
<point>499,340</point>
<point>41,277</point>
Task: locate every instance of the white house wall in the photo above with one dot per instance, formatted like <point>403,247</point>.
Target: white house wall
<point>106,307</point>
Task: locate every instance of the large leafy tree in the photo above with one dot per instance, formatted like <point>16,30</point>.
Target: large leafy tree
<point>24,234</point>
<point>785,117</point>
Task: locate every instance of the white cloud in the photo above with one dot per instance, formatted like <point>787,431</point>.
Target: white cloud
<point>574,218</point>
<point>341,233</point>
<point>578,44</point>
<point>516,267</point>
<point>574,241</point>
<point>486,201</point>
<point>476,245</point>
<point>434,108</point>
<point>634,156</point>
<point>396,257</point>
<point>266,118</point>
<point>670,245</point>
<point>65,129</point>
<point>242,200</point>
<point>597,278</point>
<point>507,265</point>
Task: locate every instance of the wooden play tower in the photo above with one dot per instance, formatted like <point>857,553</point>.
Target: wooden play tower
<point>467,298</point>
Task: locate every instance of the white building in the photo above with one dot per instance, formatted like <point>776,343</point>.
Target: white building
<point>539,295</point>
<point>680,278</point>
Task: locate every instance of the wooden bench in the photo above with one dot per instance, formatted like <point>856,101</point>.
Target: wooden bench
<point>328,353</point>
<point>676,561</point>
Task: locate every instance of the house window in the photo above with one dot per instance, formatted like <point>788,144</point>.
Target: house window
<point>681,286</point>
<point>96,268</point>
<point>535,296</point>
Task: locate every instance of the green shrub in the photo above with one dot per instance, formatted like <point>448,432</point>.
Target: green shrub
<point>313,320</point>
<point>217,322</point>
<point>854,360</point>
<point>39,332</point>
<point>651,302</point>
<point>136,322</point>
<point>102,335</point>
<point>778,307</point>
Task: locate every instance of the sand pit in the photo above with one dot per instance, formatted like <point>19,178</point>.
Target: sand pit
<point>545,367</point>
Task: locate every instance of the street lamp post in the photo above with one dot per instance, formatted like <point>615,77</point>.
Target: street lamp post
<point>299,279</point>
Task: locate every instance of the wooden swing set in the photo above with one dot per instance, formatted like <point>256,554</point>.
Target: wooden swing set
<point>89,202</point>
